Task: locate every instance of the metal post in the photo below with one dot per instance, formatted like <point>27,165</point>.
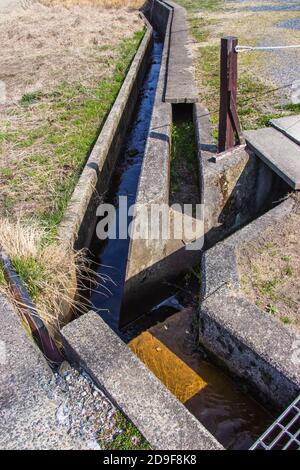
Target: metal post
<point>229,126</point>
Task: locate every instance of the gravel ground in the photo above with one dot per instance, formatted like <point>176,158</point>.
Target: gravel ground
<point>82,408</point>
<point>282,67</point>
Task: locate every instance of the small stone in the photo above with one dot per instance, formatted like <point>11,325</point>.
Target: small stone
<point>135,440</point>
<point>65,368</point>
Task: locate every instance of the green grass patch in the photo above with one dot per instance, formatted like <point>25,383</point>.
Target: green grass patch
<point>129,437</point>
<point>30,98</point>
<point>31,273</point>
<point>183,154</point>
<point>3,282</point>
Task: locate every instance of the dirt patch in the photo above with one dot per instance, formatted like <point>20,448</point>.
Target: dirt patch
<point>46,46</point>
<point>270,270</point>
<point>132,4</point>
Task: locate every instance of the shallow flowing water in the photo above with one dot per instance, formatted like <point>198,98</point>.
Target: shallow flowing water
<point>168,350</point>
<point>111,256</point>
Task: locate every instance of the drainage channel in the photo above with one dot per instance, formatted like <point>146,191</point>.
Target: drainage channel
<point>163,338</point>
<point>110,257</point>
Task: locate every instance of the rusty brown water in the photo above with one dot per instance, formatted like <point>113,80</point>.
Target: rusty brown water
<point>168,350</point>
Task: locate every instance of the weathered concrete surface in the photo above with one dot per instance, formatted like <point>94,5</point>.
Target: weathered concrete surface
<point>144,256</point>
<point>160,417</point>
<point>279,152</point>
<point>158,12</point>
<point>6,6</point>
<point>151,262</point>
<point>28,416</point>
<point>290,126</point>
<point>251,344</point>
<point>77,227</point>
<point>235,187</point>
<point>180,85</point>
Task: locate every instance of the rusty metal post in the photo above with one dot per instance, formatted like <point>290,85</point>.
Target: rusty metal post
<point>229,126</point>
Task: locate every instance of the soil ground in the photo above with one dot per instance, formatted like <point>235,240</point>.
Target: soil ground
<point>270,270</point>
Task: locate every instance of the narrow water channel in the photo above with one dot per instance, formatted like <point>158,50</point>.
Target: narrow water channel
<point>163,339</point>
<point>110,257</point>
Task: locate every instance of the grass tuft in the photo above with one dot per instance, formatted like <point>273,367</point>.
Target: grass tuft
<point>128,438</point>
<point>53,275</point>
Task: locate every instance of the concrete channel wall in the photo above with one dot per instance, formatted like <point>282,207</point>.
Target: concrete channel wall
<point>89,342</point>
<point>78,225</point>
<point>152,263</point>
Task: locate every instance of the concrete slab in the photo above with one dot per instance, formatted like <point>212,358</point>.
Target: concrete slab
<point>160,417</point>
<point>280,153</point>
<point>180,85</point>
<point>289,126</point>
<point>28,416</point>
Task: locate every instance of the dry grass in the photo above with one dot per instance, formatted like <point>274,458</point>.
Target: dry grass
<point>46,46</point>
<point>62,69</point>
<point>270,270</point>
<point>130,4</point>
<point>53,275</point>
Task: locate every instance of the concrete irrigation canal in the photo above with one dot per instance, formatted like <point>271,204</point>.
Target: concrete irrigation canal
<point>168,337</point>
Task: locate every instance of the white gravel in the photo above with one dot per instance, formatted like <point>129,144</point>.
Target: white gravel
<point>82,408</point>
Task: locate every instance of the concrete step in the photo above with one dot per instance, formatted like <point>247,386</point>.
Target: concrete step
<point>289,126</point>
<point>278,151</point>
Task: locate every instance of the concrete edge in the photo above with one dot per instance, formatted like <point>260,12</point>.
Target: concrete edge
<point>153,186</point>
<point>257,149</point>
<point>180,82</point>
<point>236,332</point>
<point>164,422</point>
<point>85,189</point>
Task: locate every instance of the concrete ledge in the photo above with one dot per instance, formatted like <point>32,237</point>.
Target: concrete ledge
<point>77,227</point>
<point>161,418</point>
<point>158,13</point>
<point>180,85</point>
<point>154,182</point>
<point>251,344</point>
